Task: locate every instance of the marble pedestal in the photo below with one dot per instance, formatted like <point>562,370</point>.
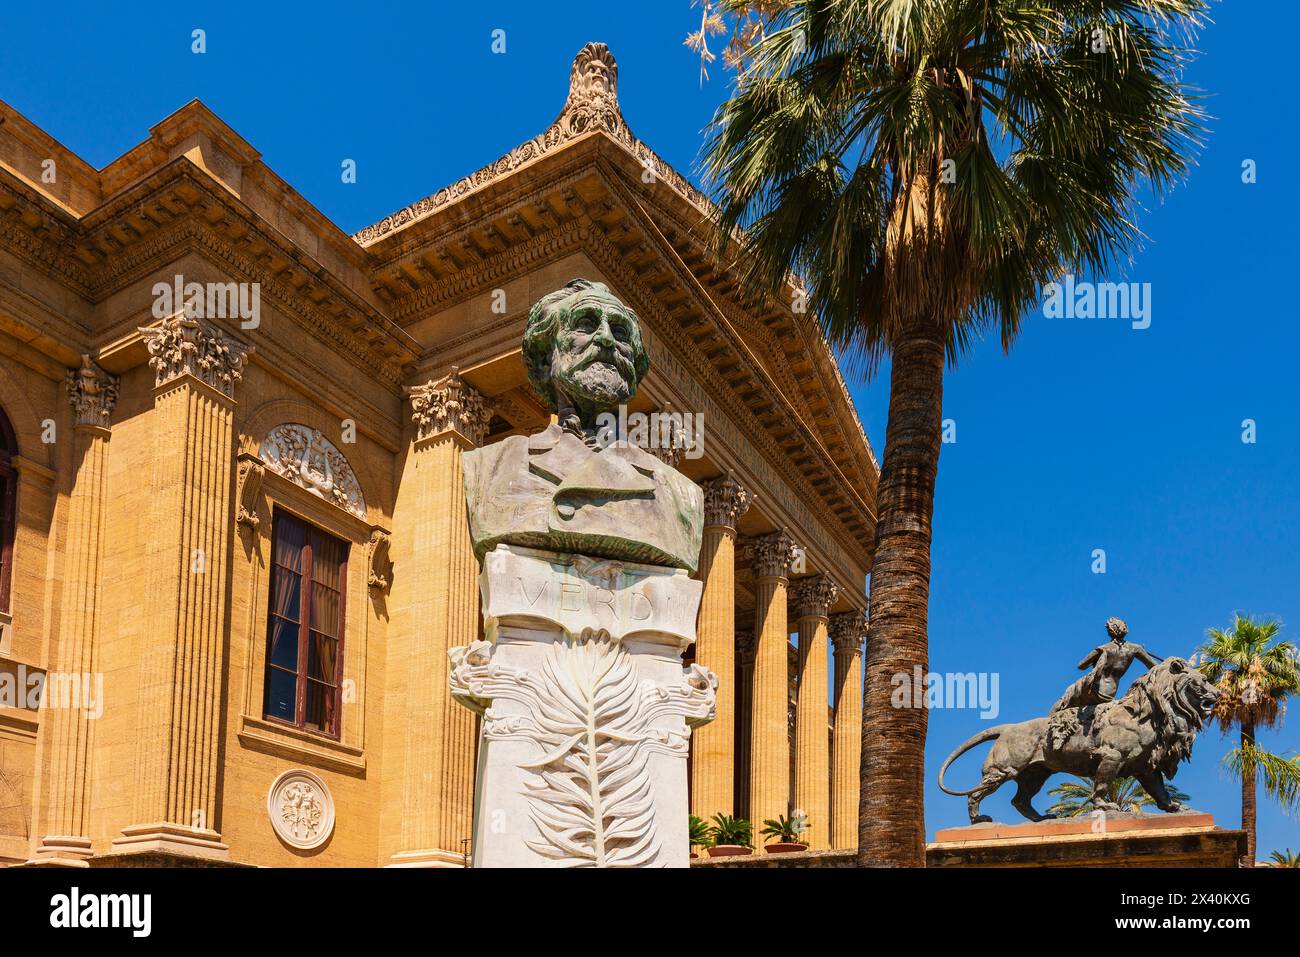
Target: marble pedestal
<point>586,711</point>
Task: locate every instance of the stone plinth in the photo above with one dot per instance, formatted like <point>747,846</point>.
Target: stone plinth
<point>1185,839</point>
<point>586,710</point>
<point>1084,824</point>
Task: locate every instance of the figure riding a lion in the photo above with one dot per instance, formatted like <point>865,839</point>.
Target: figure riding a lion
<point>1089,733</point>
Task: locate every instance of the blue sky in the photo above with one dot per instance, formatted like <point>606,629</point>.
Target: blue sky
<point>1089,435</point>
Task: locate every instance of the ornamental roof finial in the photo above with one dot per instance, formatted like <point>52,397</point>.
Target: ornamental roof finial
<point>594,76</point>
<point>593,95</point>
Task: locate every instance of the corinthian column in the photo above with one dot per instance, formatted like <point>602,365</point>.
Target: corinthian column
<point>713,756</point>
<point>74,680</point>
<point>847,632</point>
<point>769,757</point>
<point>435,599</point>
<point>813,598</point>
<point>196,368</point>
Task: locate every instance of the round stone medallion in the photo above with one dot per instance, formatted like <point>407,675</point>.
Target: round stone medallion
<point>301,809</point>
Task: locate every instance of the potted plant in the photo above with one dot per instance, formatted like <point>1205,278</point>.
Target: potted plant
<point>701,835</point>
<point>786,833</point>
<point>731,837</point>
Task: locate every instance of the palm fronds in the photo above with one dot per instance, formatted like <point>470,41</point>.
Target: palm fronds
<point>1075,797</point>
<point>731,830</point>
<point>699,832</point>
<point>947,159</point>
<point>1280,775</point>
<point>1255,670</point>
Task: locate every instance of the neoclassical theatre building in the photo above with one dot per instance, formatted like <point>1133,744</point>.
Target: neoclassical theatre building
<point>233,542</point>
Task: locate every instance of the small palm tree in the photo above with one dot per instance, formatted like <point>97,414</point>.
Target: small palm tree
<point>789,830</point>
<point>1075,797</point>
<point>699,832</point>
<point>928,168</point>
<point>731,830</point>
<point>1256,672</point>
<point>1287,858</point>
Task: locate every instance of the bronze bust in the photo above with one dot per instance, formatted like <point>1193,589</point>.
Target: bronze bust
<point>563,489</point>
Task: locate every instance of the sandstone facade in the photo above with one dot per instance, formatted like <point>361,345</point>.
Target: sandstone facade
<point>149,453</point>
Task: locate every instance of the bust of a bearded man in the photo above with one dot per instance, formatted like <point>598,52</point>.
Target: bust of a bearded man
<point>563,489</point>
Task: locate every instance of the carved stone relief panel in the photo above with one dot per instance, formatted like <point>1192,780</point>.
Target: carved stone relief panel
<point>305,457</point>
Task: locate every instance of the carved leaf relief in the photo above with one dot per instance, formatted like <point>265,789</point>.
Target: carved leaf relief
<point>592,800</point>
<point>596,725</point>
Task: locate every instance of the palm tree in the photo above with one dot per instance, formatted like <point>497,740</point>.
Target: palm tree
<point>1287,858</point>
<point>1075,797</point>
<point>1256,672</point>
<point>928,167</point>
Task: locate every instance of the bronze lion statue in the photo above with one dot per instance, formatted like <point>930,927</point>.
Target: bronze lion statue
<point>1143,735</point>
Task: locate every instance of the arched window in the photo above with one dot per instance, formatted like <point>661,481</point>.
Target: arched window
<point>8,494</point>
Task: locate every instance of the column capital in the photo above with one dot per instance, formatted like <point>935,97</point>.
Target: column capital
<point>848,630</point>
<point>813,596</point>
<point>180,345</point>
<point>773,554</point>
<point>745,648</point>
<point>725,500</point>
<point>449,404</point>
<point>92,393</point>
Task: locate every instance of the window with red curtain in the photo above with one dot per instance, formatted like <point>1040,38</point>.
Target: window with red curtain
<point>304,629</point>
<point>8,495</point>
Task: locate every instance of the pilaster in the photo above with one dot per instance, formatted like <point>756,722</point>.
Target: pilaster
<point>196,368</point>
<point>436,608</point>
<point>74,690</point>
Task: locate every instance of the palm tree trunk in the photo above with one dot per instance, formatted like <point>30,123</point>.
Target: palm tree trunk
<point>891,811</point>
<point>1248,775</point>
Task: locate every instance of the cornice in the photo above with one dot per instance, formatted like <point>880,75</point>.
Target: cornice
<point>489,273</point>
<point>748,331</point>
<point>810,336</point>
<point>128,256</point>
<point>35,230</point>
<point>738,327</point>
